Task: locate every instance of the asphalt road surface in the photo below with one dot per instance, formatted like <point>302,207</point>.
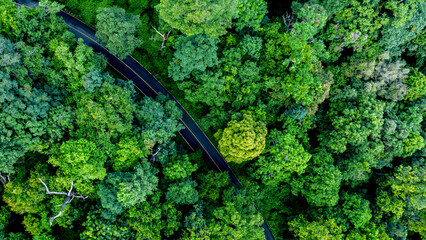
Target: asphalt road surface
<point>151,87</point>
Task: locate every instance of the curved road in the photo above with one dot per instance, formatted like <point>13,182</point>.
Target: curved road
<point>150,86</point>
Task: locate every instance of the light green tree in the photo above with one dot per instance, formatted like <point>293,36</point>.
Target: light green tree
<point>315,230</point>
<point>192,17</point>
<point>242,140</point>
<point>80,161</point>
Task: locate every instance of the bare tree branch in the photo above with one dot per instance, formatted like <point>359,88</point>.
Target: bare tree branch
<point>69,192</point>
<point>163,36</point>
<point>70,196</point>
<point>3,179</point>
<point>49,192</point>
<point>155,154</point>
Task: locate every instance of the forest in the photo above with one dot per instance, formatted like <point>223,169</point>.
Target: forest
<point>318,107</point>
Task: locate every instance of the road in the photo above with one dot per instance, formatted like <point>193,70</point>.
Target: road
<point>150,86</point>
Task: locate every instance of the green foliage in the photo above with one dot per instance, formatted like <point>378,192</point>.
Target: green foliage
<point>242,140</point>
<point>154,220</point>
<point>143,183</point>
<point>106,114</point>
<point>283,156</point>
<point>122,190</point>
<point>195,224</point>
<point>4,217</point>
<point>235,218</point>
<point>179,167</point>
<point>356,209</point>
<point>183,192</point>
<point>193,55</point>
<point>57,106</point>
<point>319,229</point>
<point>250,14</point>
<point>159,119</point>
<point>417,85</point>
<point>23,120</point>
<point>80,161</point>
<point>128,152</point>
<point>417,48</point>
<point>107,191</point>
<point>242,78</point>
<point>138,6</point>
<point>321,183</point>
<point>251,45</point>
<point>193,17</point>
<point>99,228</point>
<point>403,193</point>
<point>8,22</point>
<point>212,184</point>
<point>30,30</point>
<point>290,64</point>
<point>117,30</point>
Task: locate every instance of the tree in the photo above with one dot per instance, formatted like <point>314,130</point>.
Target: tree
<point>70,196</point>
<point>235,218</point>
<point>194,17</point>
<point>23,123</point>
<point>159,120</point>
<point>105,114</point>
<point>8,23</point>
<point>183,192</point>
<point>319,229</point>
<point>96,227</point>
<point>179,167</point>
<point>38,26</point>
<point>356,209</point>
<point>128,152</point>
<point>195,224</point>
<point>242,78</point>
<point>290,63</point>
<point>402,193</point>
<point>251,45</point>
<point>417,85</point>
<point>283,156</point>
<point>212,185</point>
<point>242,140</point>
<point>80,161</point>
<point>121,190</point>
<point>143,183</point>
<point>152,219</point>
<point>193,55</point>
<point>117,30</point>
<point>320,184</point>
<point>250,14</point>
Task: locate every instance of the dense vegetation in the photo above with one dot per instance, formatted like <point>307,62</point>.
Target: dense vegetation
<point>318,108</point>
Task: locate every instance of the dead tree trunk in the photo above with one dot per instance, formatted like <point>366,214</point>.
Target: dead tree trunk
<point>165,37</point>
<point>70,196</point>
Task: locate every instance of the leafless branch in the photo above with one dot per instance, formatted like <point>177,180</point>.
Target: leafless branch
<point>3,179</point>
<point>288,21</point>
<point>165,37</point>
<point>69,192</point>
<point>70,196</point>
<point>49,192</point>
<point>155,154</point>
